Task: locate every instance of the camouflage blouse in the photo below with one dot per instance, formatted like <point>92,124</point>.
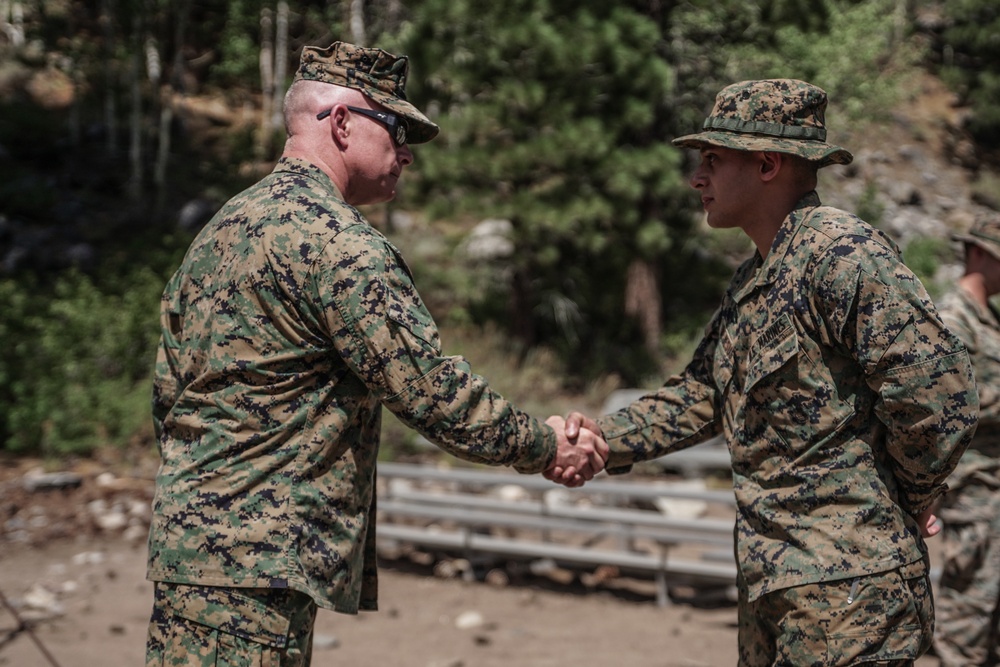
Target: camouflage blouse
<point>290,323</point>
<point>979,329</point>
<point>843,399</point>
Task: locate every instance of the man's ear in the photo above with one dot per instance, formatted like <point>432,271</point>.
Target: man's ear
<point>770,165</point>
<point>340,128</point>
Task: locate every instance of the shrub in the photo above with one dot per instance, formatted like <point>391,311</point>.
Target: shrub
<point>74,366</point>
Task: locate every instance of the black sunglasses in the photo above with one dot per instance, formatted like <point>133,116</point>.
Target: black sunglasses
<point>396,125</point>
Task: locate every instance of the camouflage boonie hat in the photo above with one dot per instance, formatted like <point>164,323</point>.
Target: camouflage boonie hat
<point>378,74</point>
<point>985,233</point>
<point>781,115</point>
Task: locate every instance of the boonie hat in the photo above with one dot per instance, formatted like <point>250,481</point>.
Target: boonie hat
<point>378,74</point>
<point>781,115</point>
<point>985,233</point>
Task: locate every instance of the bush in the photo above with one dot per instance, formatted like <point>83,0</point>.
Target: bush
<point>924,256</point>
<point>74,367</point>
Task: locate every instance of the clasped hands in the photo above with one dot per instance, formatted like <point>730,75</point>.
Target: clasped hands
<point>581,452</point>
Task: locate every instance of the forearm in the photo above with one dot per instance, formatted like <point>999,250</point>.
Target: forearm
<point>458,411</point>
<point>679,415</point>
<point>930,410</point>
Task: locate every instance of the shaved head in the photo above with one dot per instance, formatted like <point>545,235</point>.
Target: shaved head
<point>305,99</point>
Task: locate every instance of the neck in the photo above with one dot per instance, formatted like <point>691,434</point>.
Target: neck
<point>334,168</point>
<point>975,284</point>
<point>769,219</point>
<point>762,234</point>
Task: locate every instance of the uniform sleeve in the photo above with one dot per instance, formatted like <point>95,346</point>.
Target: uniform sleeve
<point>961,318</point>
<point>379,325</point>
<point>920,373</point>
<point>958,322</point>
<point>680,414</point>
<point>167,380</point>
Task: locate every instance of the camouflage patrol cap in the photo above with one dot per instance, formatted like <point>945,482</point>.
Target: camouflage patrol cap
<point>781,115</point>
<point>378,74</point>
<point>985,233</point>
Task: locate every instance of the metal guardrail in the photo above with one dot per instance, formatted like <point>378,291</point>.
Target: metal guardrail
<point>602,485</point>
<point>460,515</point>
<point>696,461</point>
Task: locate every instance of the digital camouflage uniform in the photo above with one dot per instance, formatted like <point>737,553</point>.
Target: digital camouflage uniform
<point>968,606</point>
<point>290,323</point>
<point>844,402</point>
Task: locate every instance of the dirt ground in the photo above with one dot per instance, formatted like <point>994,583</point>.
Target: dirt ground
<point>72,563</point>
<point>423,621</point>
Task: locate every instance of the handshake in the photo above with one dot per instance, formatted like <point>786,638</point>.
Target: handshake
<point>581,453</point>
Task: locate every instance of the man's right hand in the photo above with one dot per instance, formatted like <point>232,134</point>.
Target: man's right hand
<point>582,450</point>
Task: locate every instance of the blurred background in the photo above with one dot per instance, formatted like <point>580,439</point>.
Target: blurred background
<point>550,226</point>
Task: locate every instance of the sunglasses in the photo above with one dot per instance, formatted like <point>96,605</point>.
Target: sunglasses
<point>396,125</point>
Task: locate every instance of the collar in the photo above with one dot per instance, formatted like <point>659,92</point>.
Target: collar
<point>304,169</point>
<point>759,271</point>
<point>987,315</point>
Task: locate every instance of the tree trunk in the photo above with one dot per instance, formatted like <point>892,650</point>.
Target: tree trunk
<point>642,302</point>
<point>12,22</point>
<point>267,81</point>
<point>17,22</point>
<point>163,153</point>
<point>180,34</point>
<point>358,22</point>
<point>280,67</point>
<point>521,322</point>
<point>110,112</point>
<point>135,118</point>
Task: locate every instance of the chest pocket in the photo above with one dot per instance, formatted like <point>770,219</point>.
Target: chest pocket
<point>775,348</point>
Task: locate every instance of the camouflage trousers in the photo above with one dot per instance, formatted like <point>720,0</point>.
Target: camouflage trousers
<point>203,626</point>
<point>881,619</point>
<point>968,626</point>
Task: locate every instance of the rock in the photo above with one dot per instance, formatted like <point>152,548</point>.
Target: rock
<point>601,575</point>
<point>88,558</point>
<point>681,507</point>
<point>325,642</point>
<point>497,578</point>
<point>511,493</point>
<point>546,567</point>
<point>489,240</point>
<point>36,480</point>
<point>135,534</point>
<point>468,620</point>
<point>450,569</point>
<point>41,599</point>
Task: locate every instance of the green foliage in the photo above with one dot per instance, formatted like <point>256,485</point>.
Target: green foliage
<point>557,117</point>
<point>239,43</point>
<point>74,366</point>
<point>969,56</point>
<point>854,50</point>
<point>923,256</point>
<point>869,207</point>
<point>986,188</point>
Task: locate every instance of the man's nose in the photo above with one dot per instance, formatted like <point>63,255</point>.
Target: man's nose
<point>697,179</point>
<point>405,155</point>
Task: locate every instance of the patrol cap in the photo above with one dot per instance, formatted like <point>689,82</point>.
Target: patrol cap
<point>378,74</point>
<point>780,115</point>
<point>985,233</point>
